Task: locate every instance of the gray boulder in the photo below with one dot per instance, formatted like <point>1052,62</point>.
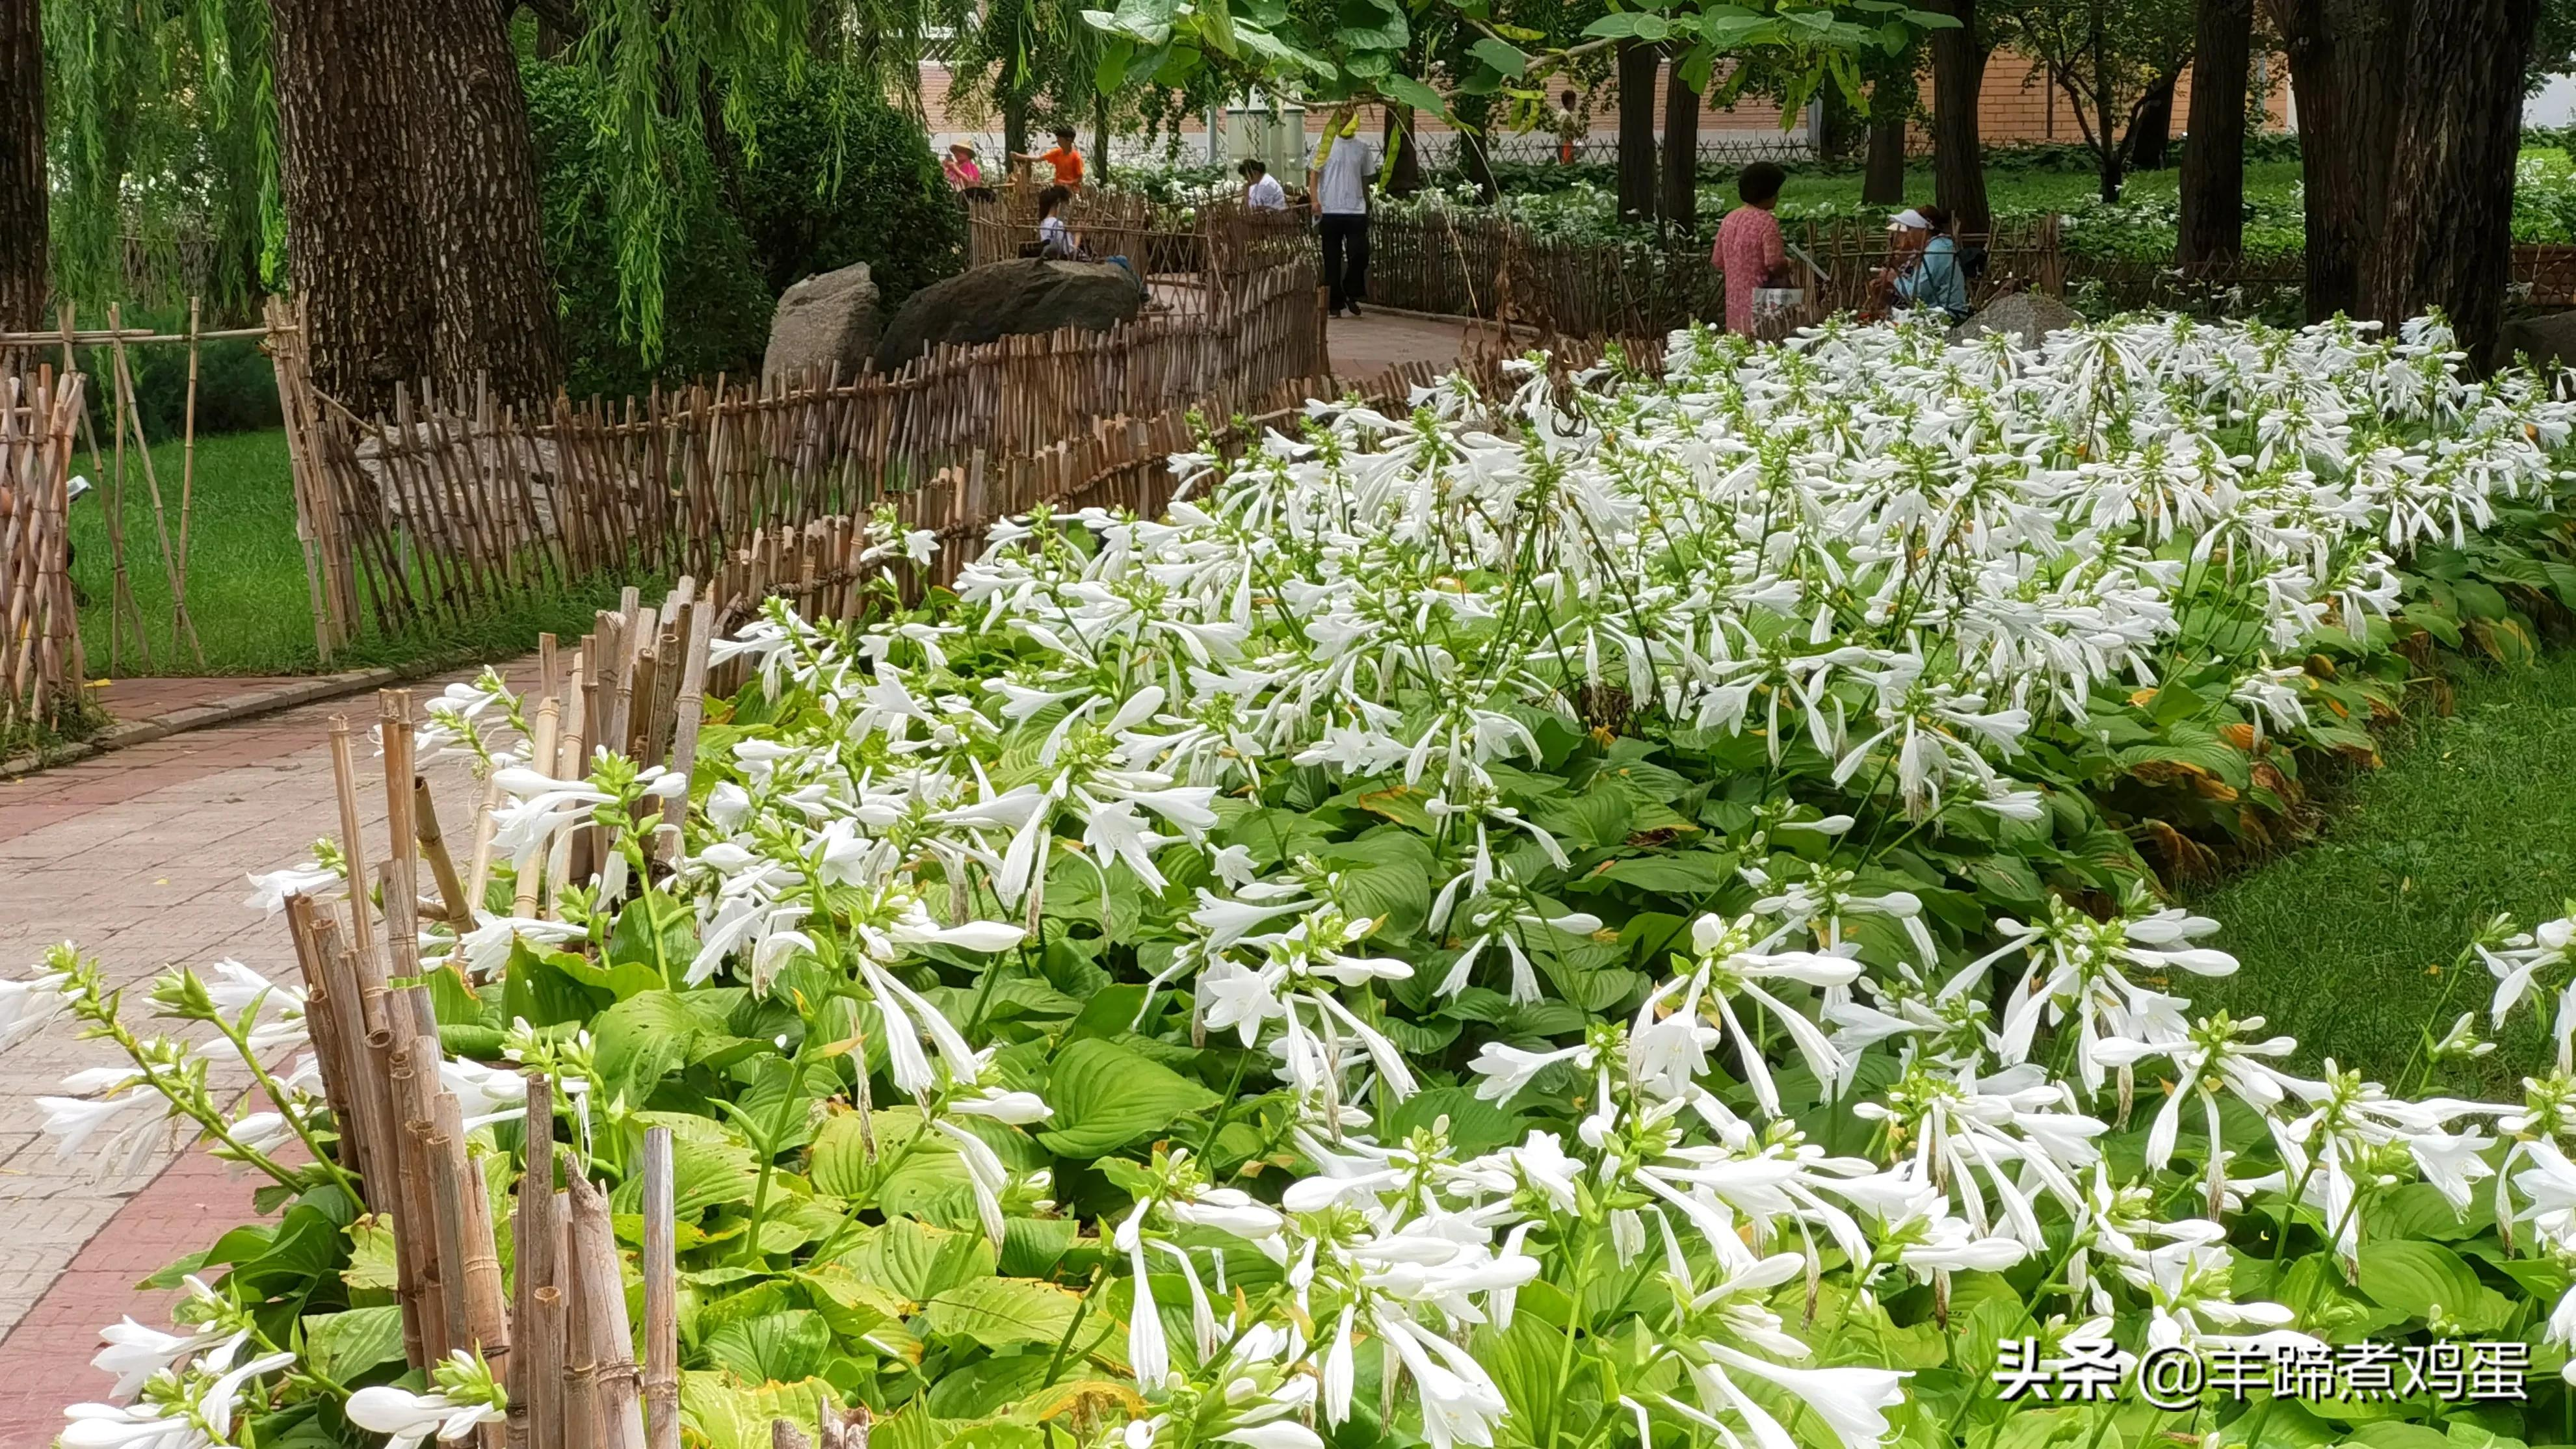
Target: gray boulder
<point>2549,340</point>
<point>1009,299</point>
<point>2028,316</point>
<point>827,320</point>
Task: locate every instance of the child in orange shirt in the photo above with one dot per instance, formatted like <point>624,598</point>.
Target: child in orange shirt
<point>1064,158</point>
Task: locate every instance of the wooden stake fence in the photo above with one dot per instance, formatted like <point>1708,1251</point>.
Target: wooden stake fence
<point>458,504</point>
<point>42,670</point>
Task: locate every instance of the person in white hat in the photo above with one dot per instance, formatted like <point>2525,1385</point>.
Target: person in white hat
<point>1923,264</point>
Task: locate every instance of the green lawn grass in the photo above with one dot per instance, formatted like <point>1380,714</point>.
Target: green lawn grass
<point>2348,943</point>
<point>246,583</point>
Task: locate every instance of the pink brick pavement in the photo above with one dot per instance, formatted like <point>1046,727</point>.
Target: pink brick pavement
<point>44,1362</point>
<point>139,855</point>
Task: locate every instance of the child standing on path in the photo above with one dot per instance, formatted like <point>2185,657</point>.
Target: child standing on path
<point>1064,158</point>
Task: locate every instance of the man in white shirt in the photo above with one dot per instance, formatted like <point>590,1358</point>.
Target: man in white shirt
<point>1261,190</point>
<point>1341,188</point>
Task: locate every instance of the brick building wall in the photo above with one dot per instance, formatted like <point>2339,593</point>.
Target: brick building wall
<point>2016,105</point>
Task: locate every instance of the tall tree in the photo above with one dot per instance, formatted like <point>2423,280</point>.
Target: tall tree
<point>2116,62</point>
<point>474,184</point>
<point>1958,156</point>
<point>1681,152</point>
<point>25,276</point>
<point>2151,129</point>
<point>1892,100</point>
<point>358,250</point>
<point>1638,64</point>
<point>2346,68</point>
<point>2212,230</point>
<point>1402,151</point>
<point>2448,238</point>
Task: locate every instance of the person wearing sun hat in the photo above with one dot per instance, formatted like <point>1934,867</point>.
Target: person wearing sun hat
<point>959,165</point>
<point>1923,264</point>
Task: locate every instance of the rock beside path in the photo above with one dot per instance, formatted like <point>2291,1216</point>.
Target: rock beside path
<point>2028,316</point>
<point>2550,340</point>
<point>825,321</point>
<point>1009,299</point>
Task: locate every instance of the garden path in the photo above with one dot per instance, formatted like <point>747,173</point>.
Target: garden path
<point>1374,341</point>
<point>139,856</point>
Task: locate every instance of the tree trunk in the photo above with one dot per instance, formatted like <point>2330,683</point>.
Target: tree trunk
<point>1099,175</point>
<point>1958,157</point>
<point>1844,126</point>
<point>1681,157</point>
<point>1882,181</point>
<point>2345,66</point>
<point>1404,177</point>
<point>25,281</point>
<point>1015,129</point>
<point>356,247</point>
<point>1475,114</point>
<point>2152,129</point>
<point>2448,238</point>
<point>2212,228</point>
<point>1638,63</point>
<point>2106,136</point>
<point>474,182</point>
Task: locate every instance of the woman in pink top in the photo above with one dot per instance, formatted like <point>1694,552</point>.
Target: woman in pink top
<point>1749,251</point>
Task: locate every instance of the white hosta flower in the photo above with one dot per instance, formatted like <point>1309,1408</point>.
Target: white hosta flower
<point>268,892</point>
<point>411,1418</point>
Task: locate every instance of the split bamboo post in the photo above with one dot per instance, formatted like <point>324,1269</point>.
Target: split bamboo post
<point>661,1296</point>
<point>188,450</point>
<point>607,1346</point>
<point>353,845</point>
<point>452,898</point>
<point>536,1349</point>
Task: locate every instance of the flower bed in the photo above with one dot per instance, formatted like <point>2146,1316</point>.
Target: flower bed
<point>1611,916</point>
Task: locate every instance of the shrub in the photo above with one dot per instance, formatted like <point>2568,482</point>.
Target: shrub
<point>1634,921</point>
<point>834,177</point>
<point>717,307</point>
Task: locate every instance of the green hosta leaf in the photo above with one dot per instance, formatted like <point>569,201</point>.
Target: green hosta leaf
<point>643,1039</point>
<point>849,1306</point>
<point>1384,876</point>
<point>1106,1096</point>
<point>2420,1279</point>
<point>920,1261</point>
<point>1690,873</point>
<point>1476,1126</point>
<point>773,1348</point>
<point>722,1414</point>
<point>342,1346</point>
<point>999,1312</point>
<point>371,1258</point>
<point>707,1169</point>
<point>1031,1247</point>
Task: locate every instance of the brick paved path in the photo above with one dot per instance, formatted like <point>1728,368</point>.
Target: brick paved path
<point>139,856</point>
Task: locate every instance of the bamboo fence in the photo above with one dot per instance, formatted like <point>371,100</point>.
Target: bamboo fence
<point>41,667</point>
<point>1122,466</point>
<point>110,358</point>
<point>1484,264</point>
<point>1475,263</point>
<point>557,1331</point>
<point>458,504</point>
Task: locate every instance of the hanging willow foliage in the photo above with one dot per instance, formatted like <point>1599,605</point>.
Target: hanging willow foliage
<point>693,66</point>
<point>163,148</point>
